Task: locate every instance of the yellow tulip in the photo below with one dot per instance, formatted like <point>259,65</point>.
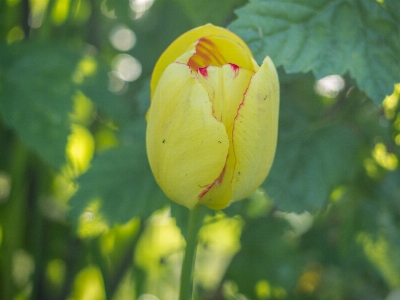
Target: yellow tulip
<point>213,119</point>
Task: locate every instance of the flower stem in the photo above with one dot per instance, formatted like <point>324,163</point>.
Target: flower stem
<point>195,221</point>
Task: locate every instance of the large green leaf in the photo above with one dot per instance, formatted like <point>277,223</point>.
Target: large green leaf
<point>265,255</point>
<point>95,86</point>
<point>313,156</point>
<point>35,98</point>
<point>327,37</point>
<point>308,166</point>
<point>210,11</point>
<point>38,83</point>
<point>122,180</point>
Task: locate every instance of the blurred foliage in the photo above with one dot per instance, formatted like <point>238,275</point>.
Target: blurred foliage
<point>81,216</point>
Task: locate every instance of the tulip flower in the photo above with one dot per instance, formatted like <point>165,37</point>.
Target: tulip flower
<point>213,119</point>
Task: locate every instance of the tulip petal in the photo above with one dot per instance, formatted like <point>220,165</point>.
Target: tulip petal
<point>218,51</point>
<point>255,131</point>
<point>180,46</point>
<point>225,86</point>
<point>187,146</point>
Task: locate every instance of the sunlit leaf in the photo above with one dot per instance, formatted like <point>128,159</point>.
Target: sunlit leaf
<point>36,99</point>
<point>312,158</point>
<point>121,178</point>
<point>95,85</point>
<point>327,37</point>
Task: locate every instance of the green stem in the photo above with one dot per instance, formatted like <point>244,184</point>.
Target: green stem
<point>13,219</point>
<point>195,221</point>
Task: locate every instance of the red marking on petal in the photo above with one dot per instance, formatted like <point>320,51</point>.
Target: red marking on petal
<point>234,125</point>
<point>235,68</point>
<point>207,53</point>
<point>205,191</point>
<point>203,71</point>
<point>217,182</point>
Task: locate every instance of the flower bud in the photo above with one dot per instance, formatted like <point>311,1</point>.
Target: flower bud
<point>213,119</point>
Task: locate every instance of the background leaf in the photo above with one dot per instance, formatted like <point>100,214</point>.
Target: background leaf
<point>314,155</point>
<point>267,255</point>
<point>326,37</point>
<point>309,166</point>
<point>210,11</point>
<point>122,180</point>
<point>36,98</point>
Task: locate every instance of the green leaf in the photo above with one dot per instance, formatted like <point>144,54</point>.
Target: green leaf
<point>313,157</point>
<point>38,82</point>
<point>265,255</point>
<point>210,11</point>
<point>309,166</point>
<point>122,180</point>
<point>35,98</point>
<point>327,37</point>
<point>95,86</point>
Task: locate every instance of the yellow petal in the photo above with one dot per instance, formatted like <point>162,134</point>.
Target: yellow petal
<point>218,51</point>
<point>182,43</point>
<point>255,131</point>
<point>226,87</point>
<point>186,145</point>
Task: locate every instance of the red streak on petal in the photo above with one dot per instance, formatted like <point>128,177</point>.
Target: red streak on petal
<point>234,125</point>
<point>207,53</point>
<point>203,71</point>
<point>212,50</point>
<point>235,68</point>
<point>217,182</point>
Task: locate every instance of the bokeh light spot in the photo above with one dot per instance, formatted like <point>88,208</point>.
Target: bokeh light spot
<point>263,289</point>
<point>86,67</point>
<point>23,266</point>
<point>116,84</point>
<point>83,109</point>
<point>89,285</point>
<point>397,139</point>
<point>371,167</point>
<point>378,251</point>
<point>140,6</point>
<point>329,86</point>
<point>127,67</point>
<point>5,186</point>
<point>16,34</point>
<point>105,138</point>
<point>122,38</point>
<point>383,158</point>
<point>55,272</point>
<point>38,8</point>
<point>300,223</point>
<point>309,281</point>
<point>160,239</point>
<point>220,240</point>
<point>80,148</point>
<point>91,222</point>
<point>109,13</point>
<point>390,105</point>
<point>60,11</point>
